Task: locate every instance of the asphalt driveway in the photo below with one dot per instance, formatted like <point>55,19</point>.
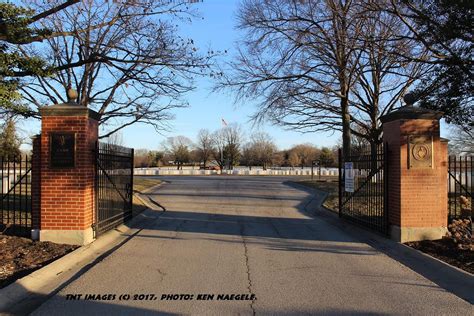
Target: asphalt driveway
<point>248,236</point>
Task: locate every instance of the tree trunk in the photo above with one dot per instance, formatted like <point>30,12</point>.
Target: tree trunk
<point>346,128</point>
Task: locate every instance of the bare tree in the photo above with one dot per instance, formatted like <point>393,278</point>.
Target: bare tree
<point>301,59</point>
<point>125,59</point>
<point>178,148</point>
<point>261,149</point>
<point>461,141</point>
<point>248,156</point>
<point>204,146</point>
<point>116,139</point>
<point>303,155</point>
<point>227,142</point>
<point>385,74</point>
<point>233,136</point>
<point>293,159</point>
<point>219,143</point>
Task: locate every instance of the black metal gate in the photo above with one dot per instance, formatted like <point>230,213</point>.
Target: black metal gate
<point>15,212</point>
<point>114,186</point>
<point>362,187</point>
<point>460,187</point>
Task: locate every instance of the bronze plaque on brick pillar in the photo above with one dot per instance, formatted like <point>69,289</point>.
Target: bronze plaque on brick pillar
<point>62,150</point>
<point>420,152</point>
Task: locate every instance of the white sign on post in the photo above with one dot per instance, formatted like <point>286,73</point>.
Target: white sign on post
<point>348,177</point>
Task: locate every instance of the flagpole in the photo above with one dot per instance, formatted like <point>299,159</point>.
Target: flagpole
<point>224,124</point>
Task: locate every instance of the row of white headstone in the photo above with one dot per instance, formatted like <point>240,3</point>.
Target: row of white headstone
<point>242,172</point>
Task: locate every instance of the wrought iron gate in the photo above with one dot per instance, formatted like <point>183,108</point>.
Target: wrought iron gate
<point>362,187</point>
<point>114,186</point>
<point>460,187</point>
<point>15,211</point>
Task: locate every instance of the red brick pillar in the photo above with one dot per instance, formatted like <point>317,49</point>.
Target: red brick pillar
<point>69,133</point>
<point>417,174</point>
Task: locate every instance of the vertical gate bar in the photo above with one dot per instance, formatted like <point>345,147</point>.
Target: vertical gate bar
<point>472,193</point>
<point>455,187</point>
<point>23,225</point>
<point>3,192</point>
<point>372,189</point>
<point>8,189</point>
<point>378,190</point>
<point>340,182</point>
<point>380,166</point>
<point>23,194</point>
<point>28,194</point>
<point>381,183</point>
<point>131,178</point>
<point>449,186</point>
<point>375,190</point>
<point>15,211</point>
<point>465,176</point>
<point>96,188</point>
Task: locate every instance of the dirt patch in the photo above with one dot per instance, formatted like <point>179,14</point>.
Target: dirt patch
<point>21,256</point>
<point>456,248</point>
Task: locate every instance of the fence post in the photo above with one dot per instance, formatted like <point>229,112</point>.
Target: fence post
<point>417,172</point>
<point>36,187</point>
<point>340,180</point>
<point>131,178</point>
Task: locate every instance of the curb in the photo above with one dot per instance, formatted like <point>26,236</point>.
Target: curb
<point>448,277</point>
<point>28,293</point>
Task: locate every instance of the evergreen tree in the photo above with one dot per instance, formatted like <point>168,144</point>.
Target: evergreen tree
<point>9,141</point>
<point>17,28</point>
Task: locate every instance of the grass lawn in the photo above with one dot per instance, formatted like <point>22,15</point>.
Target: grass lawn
<point>140,184</point>
<point>329,185</point>
<point>143,183</point>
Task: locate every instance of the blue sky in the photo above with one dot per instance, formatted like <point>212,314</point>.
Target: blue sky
<point>216,31</point>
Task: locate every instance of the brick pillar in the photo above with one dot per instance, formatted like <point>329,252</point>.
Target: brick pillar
<point>67,189</point>
<point>417,174</point>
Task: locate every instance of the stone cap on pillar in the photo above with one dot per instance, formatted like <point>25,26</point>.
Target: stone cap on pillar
<point>69,109</point>
<point>411,113</point>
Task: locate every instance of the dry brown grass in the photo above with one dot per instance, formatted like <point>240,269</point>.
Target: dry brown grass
<point>140,184</point>
<point>329,186</point>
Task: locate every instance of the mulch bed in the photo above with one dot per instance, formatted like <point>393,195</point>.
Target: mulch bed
<point>447,251</point>
<point>456,248</point>
<point>21,256</point>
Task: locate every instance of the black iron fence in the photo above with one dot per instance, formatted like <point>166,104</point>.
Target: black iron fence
<point>460,186</point>
<point>362,187</point>
<point>15,208</point>
<point>114,186</point>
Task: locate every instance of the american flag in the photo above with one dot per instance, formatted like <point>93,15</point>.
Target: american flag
<point>224,123</point>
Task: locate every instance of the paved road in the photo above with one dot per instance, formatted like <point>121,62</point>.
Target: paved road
<point>250,235</point>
